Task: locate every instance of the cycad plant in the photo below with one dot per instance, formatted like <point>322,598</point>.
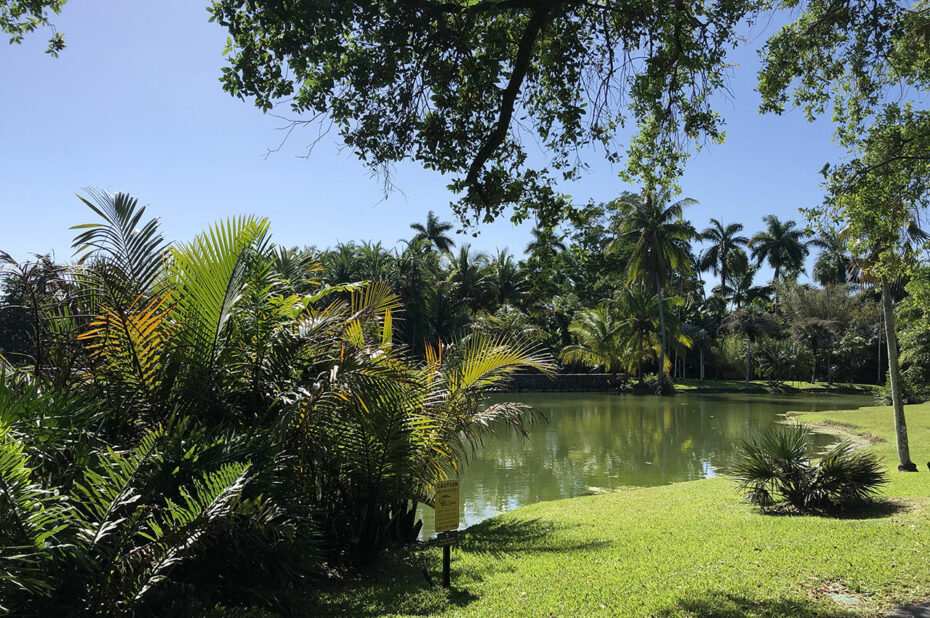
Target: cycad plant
<point>776,470</point>
<point>200,402</point>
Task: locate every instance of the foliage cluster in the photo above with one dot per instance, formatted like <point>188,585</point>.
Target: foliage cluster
<point>209,412</point>
<point>775,470</point>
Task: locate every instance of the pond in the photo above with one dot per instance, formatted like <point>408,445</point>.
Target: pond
<point>599,441</point>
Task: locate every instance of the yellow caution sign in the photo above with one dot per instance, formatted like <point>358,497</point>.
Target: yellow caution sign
<point>446,505</point>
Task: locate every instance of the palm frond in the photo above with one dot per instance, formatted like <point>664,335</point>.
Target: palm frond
<point>208,273</point>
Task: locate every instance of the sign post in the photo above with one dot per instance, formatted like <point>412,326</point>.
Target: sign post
<point>446,507</point>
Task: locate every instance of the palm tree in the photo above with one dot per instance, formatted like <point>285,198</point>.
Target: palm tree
<point>834,265</point>
<point>782,245</point>
<point>908,236</point>
<point>468,274</point>
<point>660,237</point>
<point>545,243</point>
<point>724,240</point>
<point>752,322</point>
<point>741,279</point>
<point>597,331</point>
<point>434,232</point>
<point>640,322</point>
<point>374,261</point>
<point>505,279</point>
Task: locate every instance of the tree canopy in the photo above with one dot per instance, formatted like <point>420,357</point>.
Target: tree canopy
<point>465,88</point>
<point>20,17</point>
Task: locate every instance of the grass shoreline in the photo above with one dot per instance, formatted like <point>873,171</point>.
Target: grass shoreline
<point>790,387</point>
<point>686,549</point>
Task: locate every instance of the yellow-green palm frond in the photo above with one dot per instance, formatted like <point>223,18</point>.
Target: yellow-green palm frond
<point>131,343</point>
<point>487,362</point>
<point>208,273</point>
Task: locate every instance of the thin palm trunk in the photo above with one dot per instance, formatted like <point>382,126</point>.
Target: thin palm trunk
<point>900,425</point>
<point>878,377</point>
<point>748,357</point>
<point>702,363</point>
<point>775,292</point>
<point>662,333</point>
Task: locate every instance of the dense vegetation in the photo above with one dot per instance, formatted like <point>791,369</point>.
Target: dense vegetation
<point>582,291</point>
<point>203,424</point>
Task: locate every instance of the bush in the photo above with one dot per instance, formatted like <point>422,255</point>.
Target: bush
<point>782,359</point>
<point>776,472</point>
<point>729,357</point>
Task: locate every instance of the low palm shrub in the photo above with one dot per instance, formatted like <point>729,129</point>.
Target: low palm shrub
<point>200,424</point>
<point>776,471</point>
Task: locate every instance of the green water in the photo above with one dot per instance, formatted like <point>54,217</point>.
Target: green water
<point>597,441</point>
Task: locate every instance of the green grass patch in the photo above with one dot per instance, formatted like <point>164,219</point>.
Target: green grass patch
<point>688,549</point>
<point>762,386</point>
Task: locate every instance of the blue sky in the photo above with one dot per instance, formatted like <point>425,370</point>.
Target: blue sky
<point>134,104</point>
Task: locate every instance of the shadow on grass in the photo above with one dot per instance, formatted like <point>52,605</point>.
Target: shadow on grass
<point>877,509</point>
<point>396,583</point>
<point>725,605</point>
<point>497,536</point>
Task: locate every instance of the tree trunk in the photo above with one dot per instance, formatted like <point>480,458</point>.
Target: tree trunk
<point>662,333</point>
<point>900,426</point>
<point>878,378</point>
<point>702,363</point>
<point>723,277</point>
<point>775,293</point>
<point>748,357</point>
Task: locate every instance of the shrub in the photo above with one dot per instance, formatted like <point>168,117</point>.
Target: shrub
<point>782,359</point>
<point>775,471</point>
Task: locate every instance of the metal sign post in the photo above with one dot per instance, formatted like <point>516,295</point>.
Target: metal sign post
<point>446,506</point>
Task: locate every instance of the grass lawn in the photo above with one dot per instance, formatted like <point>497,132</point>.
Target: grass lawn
<point>687,549</point>
<point>762,386</point>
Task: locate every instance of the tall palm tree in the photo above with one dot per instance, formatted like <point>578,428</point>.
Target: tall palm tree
<point>660,238</point>
<point>505,278</point>
<point>434,232</point>
<point>468,273</point>
<point>909,236</point>
<point>753,323</point>
<point>834,265</point>
<point>545,243</point>
<point>724,240</point>
<point>782,245</point>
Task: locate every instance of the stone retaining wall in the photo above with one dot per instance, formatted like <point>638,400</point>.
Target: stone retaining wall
<point>562,382</point>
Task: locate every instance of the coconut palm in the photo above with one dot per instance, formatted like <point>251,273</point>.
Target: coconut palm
<point>599,344</point>
<point>782,245</point>
<point>506,281</point>
<point>660,237</point>
<point>468,273</point>
<point>434,232</point>
<point>545,243</point>
<point>834,264</point>
<point>724,240</point>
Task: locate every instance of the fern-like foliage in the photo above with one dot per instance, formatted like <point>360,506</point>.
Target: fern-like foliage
<point>179,526</point>
<point>33,521</point>
<point>208,274</point>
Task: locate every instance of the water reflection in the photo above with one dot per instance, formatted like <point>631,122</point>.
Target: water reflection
<point>598,442</point>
